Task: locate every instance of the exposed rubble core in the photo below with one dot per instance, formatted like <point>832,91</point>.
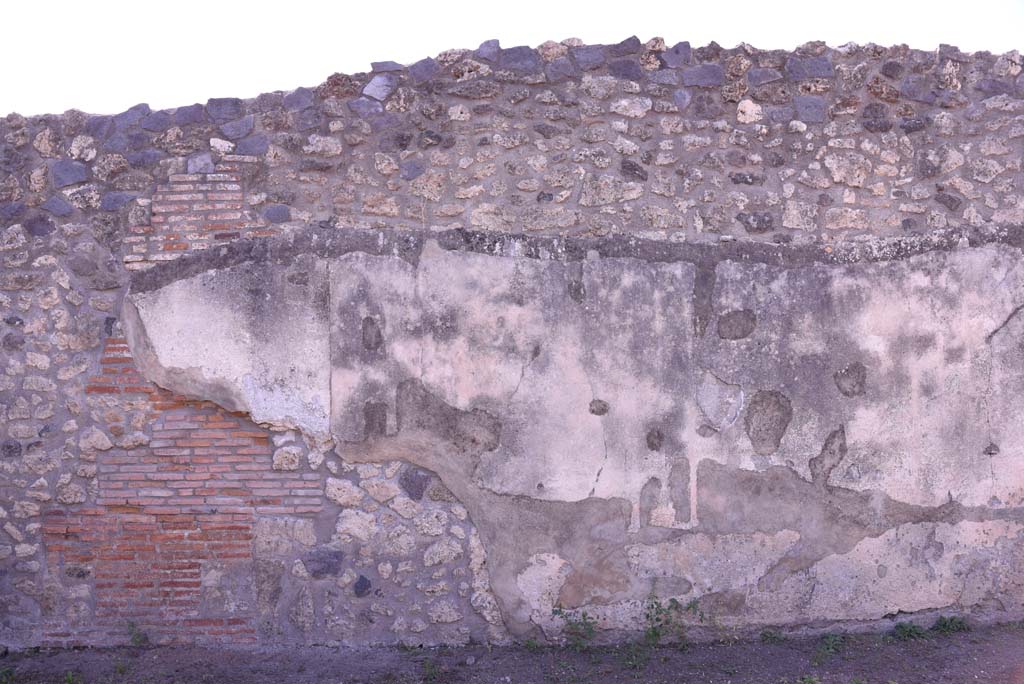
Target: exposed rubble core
<point>424,354</point>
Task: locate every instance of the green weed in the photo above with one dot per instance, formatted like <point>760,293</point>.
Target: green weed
<point>830,645</point>
<point>136,637</point>
<point>908,631</point>
<point>579,630</point>
<point>950,624</point>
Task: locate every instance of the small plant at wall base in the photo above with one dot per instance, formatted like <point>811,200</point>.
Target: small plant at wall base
<point>579,631</point>
<point>664,620</point>
<point>950,624</point>
<point>136,636</point>
<point>830,645</point>
<point>908,631</point>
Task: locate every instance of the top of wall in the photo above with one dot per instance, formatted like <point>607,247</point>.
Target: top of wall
<point>669,142</point>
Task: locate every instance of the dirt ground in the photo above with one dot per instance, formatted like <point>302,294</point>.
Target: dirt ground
<point>993,655</point>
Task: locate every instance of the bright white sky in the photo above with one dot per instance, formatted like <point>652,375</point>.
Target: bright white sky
<point>103,56</point>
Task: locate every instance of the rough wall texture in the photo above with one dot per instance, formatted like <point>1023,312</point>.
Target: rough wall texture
<point>423,354</point>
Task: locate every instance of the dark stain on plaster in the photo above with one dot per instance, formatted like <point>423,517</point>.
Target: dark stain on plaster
<point>577,291</point>
<point>679,489</point>
<point>852,380</point>
<point>649,499</point>
<point>832,452</point>
<point>375,419</point>
<point>703,296</point>
<point>373,338</point>
<point>766,420</point>
<point>737,325</point>
<point>829,519</point>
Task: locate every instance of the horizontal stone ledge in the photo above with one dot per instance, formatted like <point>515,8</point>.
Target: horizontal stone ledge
<point>325,240</point>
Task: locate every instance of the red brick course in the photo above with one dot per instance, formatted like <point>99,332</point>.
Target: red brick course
<point>164,511</point>
<point>193,212</point>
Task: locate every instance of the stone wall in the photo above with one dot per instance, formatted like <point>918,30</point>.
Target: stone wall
<point>422,355</point>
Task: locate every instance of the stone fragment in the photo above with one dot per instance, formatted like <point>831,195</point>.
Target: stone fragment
<point>362,586</point>
<point>277,213</point>
<point>489,50</point>
<point>424,70</point>
<point>811,108</point>
<point>11,211</point>
<point>414,481</point>
<point>748,111</point>
<point>720,402</point>
<point>324,146</point>
<point>239,128</point>
<point>759,76</point>
<point>677,55</point>
<point>365,107</point>
<point>804,68</point>
<point>382,86</point>
<point>430,185</point>
<point>522,59</point>
<point>442,551</point>
<point>431,523</point>
<point>631,170</point>
<point>704,76</point>
<point>605,189</point>
<point>443,612</point>
<point>83,148</point>
<point>476,90</point>
<point>223,109</point>
<point>628,69</point>
<point>200,163</point>
<point>187,116</point>
<point>632,107</point>
<point>948,200</point>
<point>844,218</point>
<point>10,448</point>
<point>919,88</point>
<point>588,57</point>
<point>343,492</point>
<point>65,172</point>
<point>800,215</point>
<point>561,69</point>
<point>93,439</point>
<point>848,168</point>
<point>157,122</point>
<point>287,458</point>
<point>985,170</point>
<point>324,562</point>
<point>629,46</point>
<point>357,524</point>
<point>71,494</point>
<point>56,206</point>
<point>411,169</point>
<point>382,491</point>
<point>388,65</point>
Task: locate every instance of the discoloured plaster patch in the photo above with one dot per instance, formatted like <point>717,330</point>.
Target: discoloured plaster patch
<point>486,370</point>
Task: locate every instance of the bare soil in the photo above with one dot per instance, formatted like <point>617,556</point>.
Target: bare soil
<point>993,655</point>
